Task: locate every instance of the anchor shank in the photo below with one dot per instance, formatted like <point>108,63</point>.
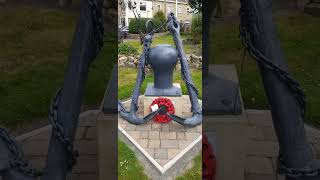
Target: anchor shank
<point>83,51</point>
<point>285,109</point>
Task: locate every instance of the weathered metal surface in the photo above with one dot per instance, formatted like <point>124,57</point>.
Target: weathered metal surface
<point>65,108</point>
<point>85,46</point>
<point>196,117</point>
<point>286,99</point>
<point>163,75</point>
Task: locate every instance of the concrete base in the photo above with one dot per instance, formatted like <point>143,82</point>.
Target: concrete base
<point>179,101</point>
<point>228,135</point>
<point>221,91</point>
<point>174,91</point>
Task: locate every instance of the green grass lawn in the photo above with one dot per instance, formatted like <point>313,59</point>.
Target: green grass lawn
<point>129,167</point>
<point>34,51</point>
<point>168,39</point>
<point>300,38</point>
<point>195,172</point>
<point>127,79</point>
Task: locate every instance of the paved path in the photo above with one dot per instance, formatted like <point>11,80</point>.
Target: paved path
<point>35,146</point>
<point>262,149</point>
<point>260,156</point>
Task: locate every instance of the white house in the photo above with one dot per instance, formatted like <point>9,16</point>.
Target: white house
<point>143,7</point>
<point>146,9</point>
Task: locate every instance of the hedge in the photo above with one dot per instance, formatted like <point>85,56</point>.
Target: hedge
<point>134,25</point>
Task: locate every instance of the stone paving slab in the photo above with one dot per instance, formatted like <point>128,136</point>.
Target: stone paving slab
<point>262,148</point>
<point>35,146</point>
<point>163,142</point>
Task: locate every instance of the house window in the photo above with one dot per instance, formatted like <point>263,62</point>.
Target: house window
<point>143,6</point>
<point>169,8</point>
<point>180,10</point>
<point>159,7</point>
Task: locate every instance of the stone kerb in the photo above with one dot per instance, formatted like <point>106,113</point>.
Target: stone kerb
<point>162,144</point>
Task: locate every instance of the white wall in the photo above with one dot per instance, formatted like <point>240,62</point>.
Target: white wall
<point>144,14</point>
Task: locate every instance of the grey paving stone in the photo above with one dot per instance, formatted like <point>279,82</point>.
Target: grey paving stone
<point>144,127</point>
<point>131,127</point>
<point>165,127</point>
<point>168,135</point>
<point>177,127</point>
<point>150,151</point>
<point>156,127</point>
<point>184,143</point>
<point>161,154</point>
<point>169,144</point>
<point>162,162</point>
<point>143,142</point>
<point>144,134</point>
<point>262,148</point>
<point>258,165</point>
<point>153,134</point>
<point>154,143</point>
<point>181,135</point>
<point>172,153</point>
<point>191,136</point>
<point>134,134</point>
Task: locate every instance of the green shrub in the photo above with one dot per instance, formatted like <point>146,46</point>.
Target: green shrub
<point>134,25</point>
<point>127,49</point>
<point>160,16</point>
<point>196,28</point>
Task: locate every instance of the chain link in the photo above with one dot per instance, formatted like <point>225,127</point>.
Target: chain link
<point>291,83</point>
<point>97,22</point>
<point>17,162</point>
<point>59,133</point>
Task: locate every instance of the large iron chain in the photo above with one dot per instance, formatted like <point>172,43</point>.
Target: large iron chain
<point>59,133</point>
<point>291,83</point>
<point>97,23</point>
<point>17,162</point>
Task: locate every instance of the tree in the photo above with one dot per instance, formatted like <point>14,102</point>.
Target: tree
<point>196,5</point>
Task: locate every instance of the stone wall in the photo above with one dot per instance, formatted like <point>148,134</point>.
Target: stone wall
<point>167,6</point>
<point>195,62</point>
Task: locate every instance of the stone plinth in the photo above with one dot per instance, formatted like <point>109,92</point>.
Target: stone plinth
<point>162,144</point>
<point>180,102</point>
<point>229,134</point>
